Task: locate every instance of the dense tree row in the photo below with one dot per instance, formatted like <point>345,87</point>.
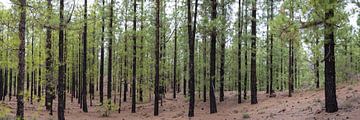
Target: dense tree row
<point>192,47</point>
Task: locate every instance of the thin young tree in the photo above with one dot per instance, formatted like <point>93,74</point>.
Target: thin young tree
<point>213,108</point>
<point>102,53</point>
<point>175,52</point>
<point>240,23</point>
<point>61,76</point>
<point>157,59</point>
<point>222,51</point>
<point>110,50</point>
<point>133,87</point>
<point>253,55</point>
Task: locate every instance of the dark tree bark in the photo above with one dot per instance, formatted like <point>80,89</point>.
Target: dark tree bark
<point>204,68</point>
<point>175,53</point>
<point>240,24</point>
<point>21,55</point>
<point>84,67</point>
<point>5,83</point>
<point>10,83</point>
<point>329,58</point>
<point>1,85</point>
<point>102,54</point>
<point>49,87</point>
<point>246,78</point>
<point>126,59</point>
<point>271,50</point>
<point>133,102</point>
<point>317,65</point>
<point>110,50</point>
<point>192,32</point>
<point>191,60</point>
<point>213,108</point>
<point>141,53</point>
<point>32,67</point>
<point>222,54</point>
<point>157,59</point>
<point>253,55</point>
<point>61,76</point>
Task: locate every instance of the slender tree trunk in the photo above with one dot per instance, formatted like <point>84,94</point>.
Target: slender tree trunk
<point>84,71</point>
<point>204,68</point>
<point>317,65</point>
<point>126,59</point>
<point>240,24</point>
<point>21,55</point>
<point>222,54</point>
<point>49,87</point>
<point>271,50</point>
<point>175,53</point>
<point>102,54</point>
<point>213,108</point>
<point>329,58</point>
<point>110,50</point>
<point>133,102</point>
<point>253,55</point>
<point>246,50</point>
<point>61,76</point>
<point>157,60</point>
<point>141,53</point>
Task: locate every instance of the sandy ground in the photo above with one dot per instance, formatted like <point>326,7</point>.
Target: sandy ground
<point>304,105</point>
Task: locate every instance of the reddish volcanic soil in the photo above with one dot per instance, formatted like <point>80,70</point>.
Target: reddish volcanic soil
<point>304,105</point>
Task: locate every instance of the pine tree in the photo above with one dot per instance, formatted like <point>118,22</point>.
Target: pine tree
<point>61,76</point>
<point>21,56</point>
<point>157,59</point>
<point>213,108</point>
<point>253,55</point>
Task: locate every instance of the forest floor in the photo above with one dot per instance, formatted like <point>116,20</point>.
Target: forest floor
<point>304,105</point>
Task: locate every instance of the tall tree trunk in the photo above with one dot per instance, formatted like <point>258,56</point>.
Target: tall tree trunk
<point>84,71</point>
<point>133,102</point>
<point>141,53</point>
<point>245,4</point>
<point>329,58</point>
<point>204,67</point>
<point>49,87</point>
<point>240,26</point>
<point>253,55</point>
<point>271,50</point>
<point>102,53</point>
<point>61,76</point>
<point>126,59</point>
<point>110,50</point>
<point>192,32</point>
<point>21,55</point>
<point>222,54</point>
<point>157,59</point>
<point>175,52</point>
<point>213,108</point>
